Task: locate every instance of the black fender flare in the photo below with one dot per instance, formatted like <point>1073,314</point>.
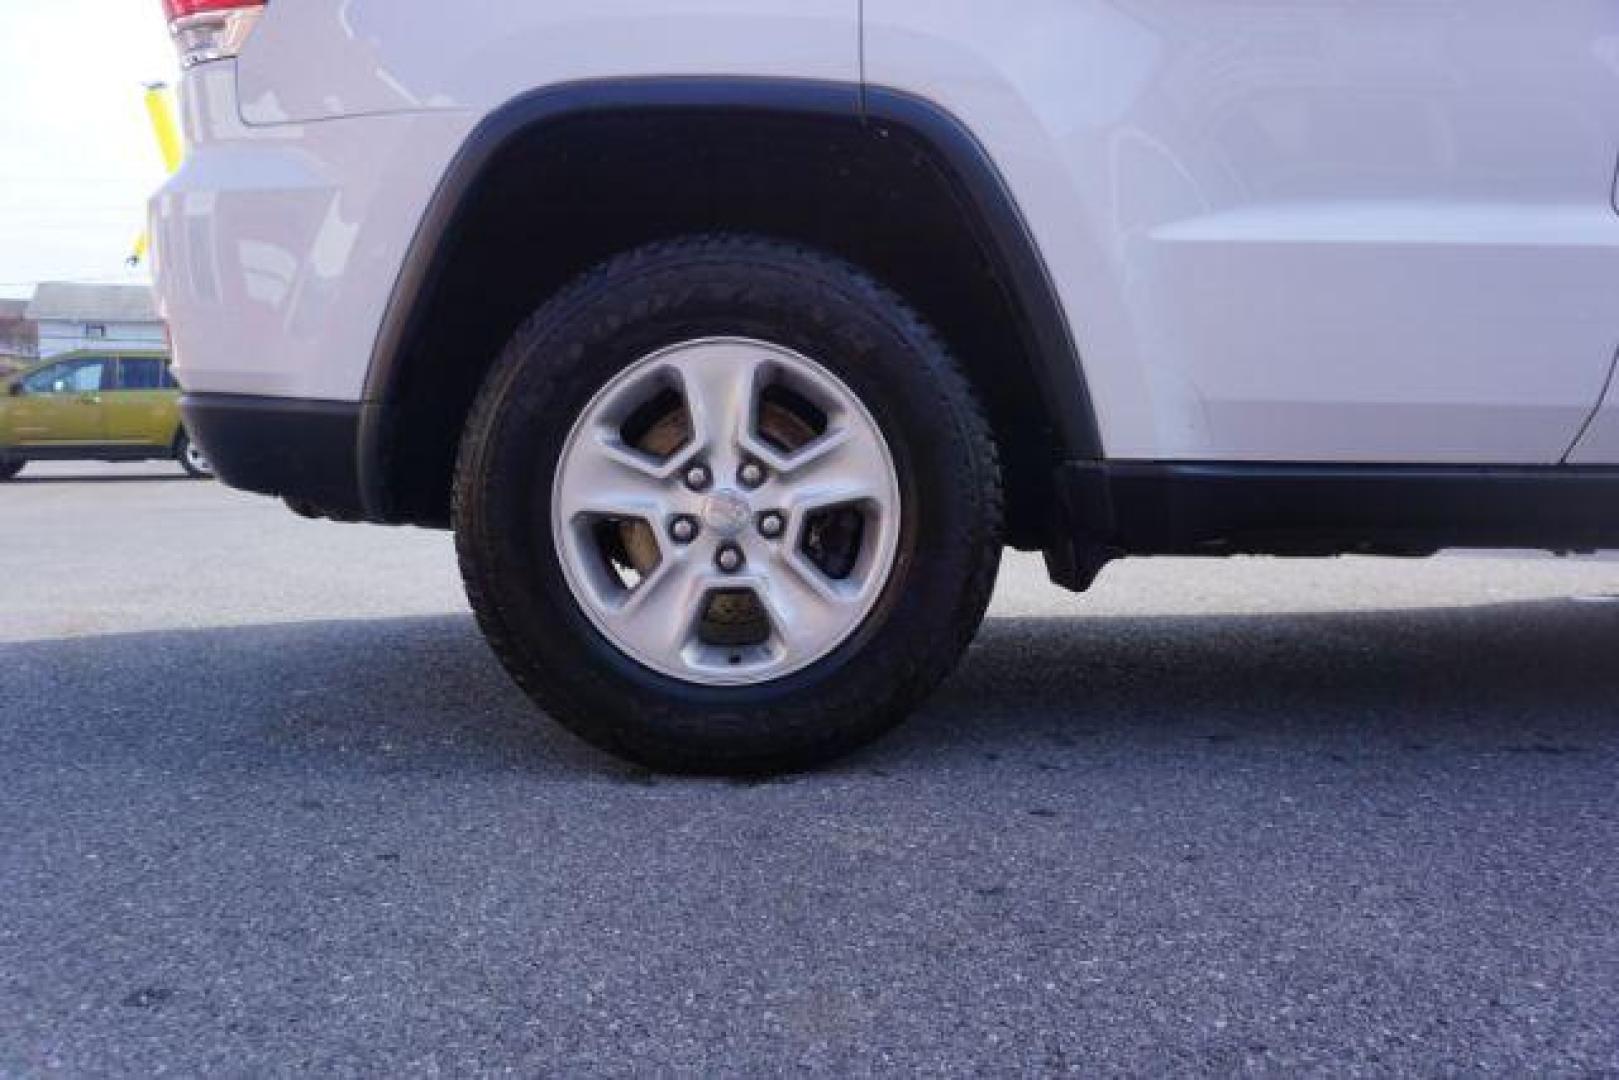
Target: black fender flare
<point>982,193</point>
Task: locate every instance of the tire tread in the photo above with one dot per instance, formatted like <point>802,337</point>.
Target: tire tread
<point>887,695</point>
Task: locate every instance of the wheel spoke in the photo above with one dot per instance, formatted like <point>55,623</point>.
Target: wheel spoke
<point>807,609</point>
<point>663,619</point>
<point>720,390</point>
<point>847,457</point>
<point>843,466</point>
<point>799,572</point>
<point>608,479</point>
<point>660,615</point>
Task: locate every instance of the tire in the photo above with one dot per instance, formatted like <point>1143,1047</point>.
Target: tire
<point>737,291</point>
<point>191,457</point>
<point>9,468</point>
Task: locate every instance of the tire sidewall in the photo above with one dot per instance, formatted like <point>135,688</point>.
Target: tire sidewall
<point>182,446</point>
<point>553,369</point>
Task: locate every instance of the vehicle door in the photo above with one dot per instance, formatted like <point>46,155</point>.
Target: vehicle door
<point>1304,231</point>
<point>60,404</point>
<point>140,409</point>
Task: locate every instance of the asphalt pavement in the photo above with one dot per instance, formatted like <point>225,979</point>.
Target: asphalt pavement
<point>269,807</point>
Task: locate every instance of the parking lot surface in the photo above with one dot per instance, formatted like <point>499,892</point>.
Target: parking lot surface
<point>267,805</point>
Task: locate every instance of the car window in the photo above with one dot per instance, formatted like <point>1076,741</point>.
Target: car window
<point>42,381</point>
<point>74,377</point>
<point>85,376</point>
<point>140,373</point>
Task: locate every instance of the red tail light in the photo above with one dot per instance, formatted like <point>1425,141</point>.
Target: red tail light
<point>211,29</point>
<point>179,9</point>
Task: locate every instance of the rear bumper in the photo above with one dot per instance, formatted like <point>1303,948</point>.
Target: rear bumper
<point>275,250</point>
<point>304,451</point>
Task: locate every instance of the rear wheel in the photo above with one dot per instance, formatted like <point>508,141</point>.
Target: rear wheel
<point>726,505</point>
<point>191,457</point>
<point>10,467</point>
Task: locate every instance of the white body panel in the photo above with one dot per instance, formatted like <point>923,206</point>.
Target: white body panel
<point>314,156</point>
<point>319,58</point>
<point>1304,231</point>
<point>276,250</point>
<point>1326,230</point>
<point>1599,445</point>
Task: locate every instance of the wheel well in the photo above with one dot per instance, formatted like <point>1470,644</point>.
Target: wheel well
<point>559,196</point>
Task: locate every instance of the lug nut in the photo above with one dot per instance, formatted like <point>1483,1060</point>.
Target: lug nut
<point>771,525</point>
<point>683,529</point>
<point>698,477</point>
<point>729,558</point>
<point>751,474</point>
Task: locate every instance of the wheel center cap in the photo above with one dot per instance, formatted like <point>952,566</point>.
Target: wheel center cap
<point>726,513</point>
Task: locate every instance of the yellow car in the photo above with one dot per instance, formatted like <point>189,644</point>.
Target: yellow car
<point>94,406</point>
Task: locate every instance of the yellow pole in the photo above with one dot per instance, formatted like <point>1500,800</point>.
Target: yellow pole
<point>160,108</point>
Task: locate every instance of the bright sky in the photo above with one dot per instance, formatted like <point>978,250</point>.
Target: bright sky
<point>77,156</point>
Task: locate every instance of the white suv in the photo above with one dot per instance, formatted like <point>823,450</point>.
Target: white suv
<point>734,338</point>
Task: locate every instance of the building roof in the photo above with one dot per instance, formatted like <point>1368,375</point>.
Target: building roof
<point>68,301</point>
<point>12,310</point>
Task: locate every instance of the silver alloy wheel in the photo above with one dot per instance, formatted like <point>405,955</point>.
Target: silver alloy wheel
<point>690,609</point>
<point>196,459</point>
